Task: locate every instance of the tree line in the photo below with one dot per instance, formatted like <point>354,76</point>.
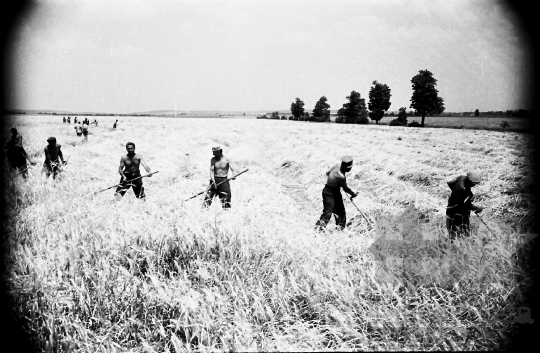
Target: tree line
<point>425,100</point>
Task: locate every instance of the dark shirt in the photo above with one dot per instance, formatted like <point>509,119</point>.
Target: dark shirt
<point>17,140</point>
<point>461,198</point>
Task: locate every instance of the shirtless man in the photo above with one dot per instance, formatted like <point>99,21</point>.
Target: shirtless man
<point>219,171</point>
<point>332,200</point>
<point>52,153</point>
<point>129,169</point>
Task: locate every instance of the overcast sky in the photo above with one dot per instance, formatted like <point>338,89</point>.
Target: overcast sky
<point>141,55</point>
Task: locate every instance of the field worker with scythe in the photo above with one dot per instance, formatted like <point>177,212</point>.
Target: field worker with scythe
<point>458,211</point>
<point>331,194</point>
<point>52,153</point>
<point>85,130</point>
<point>129,169</point>
<point>78,129</point>
<point>219,171</point>
<point>16,154</point>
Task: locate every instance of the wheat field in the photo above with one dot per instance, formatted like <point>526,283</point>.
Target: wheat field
<point>93,275</point>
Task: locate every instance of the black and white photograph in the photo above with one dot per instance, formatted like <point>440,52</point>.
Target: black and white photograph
<point>255,176</point>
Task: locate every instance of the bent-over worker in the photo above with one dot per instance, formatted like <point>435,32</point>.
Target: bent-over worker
<point>458,211</point>
<point>331,194</point>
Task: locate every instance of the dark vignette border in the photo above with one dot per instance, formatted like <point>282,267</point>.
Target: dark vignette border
<point>11,333</point>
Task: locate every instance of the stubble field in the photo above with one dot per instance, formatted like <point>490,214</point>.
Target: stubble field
<point>91,274</point>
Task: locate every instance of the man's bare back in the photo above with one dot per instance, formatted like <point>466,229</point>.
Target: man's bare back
<point>337,179</point>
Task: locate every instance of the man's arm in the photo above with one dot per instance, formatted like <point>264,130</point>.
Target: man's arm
<point>231,168</point>
<point>47,155</point>
<point>121,168</point>
<point>212,164</point>
<point>343,183</point>
<point>476,209</point>
<point>146,167</point>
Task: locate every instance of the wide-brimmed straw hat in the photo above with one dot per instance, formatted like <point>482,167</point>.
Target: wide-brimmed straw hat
<point>215,149</point>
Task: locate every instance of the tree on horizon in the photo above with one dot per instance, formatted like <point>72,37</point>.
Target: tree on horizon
<point>379,101</point>
<point>297,108</point>
<point>425,98</point>
<point>354,111</point>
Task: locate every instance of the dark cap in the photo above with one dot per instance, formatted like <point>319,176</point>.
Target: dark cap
<point>347,161</point>
<point>51,139</point>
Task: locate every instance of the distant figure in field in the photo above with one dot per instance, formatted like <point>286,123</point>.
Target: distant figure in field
<point>219,171</point>
<point>331,194</point>
<point>64,120</point>
<point>75,120</point>
<point>129,169</point>
<point>85,131</point>
<point>458,211</point>
<point>115,123</point>
<point>78,129</point>
<point>52,152</point>
<point>68,120</point>
<point>95,122</point>
<point>16,154</point>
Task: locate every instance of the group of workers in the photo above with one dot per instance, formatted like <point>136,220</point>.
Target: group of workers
<point>458,211</point>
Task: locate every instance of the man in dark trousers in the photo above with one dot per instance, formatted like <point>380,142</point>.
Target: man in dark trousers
<point>16,154</point>
<point>129,169</point>
<point>219,171</point>
<point>52,153</point>
<point>458,211</point>
<point>64,120</point>
<point>115,123</point>
<point>85,131</point>
<point>331,194</point>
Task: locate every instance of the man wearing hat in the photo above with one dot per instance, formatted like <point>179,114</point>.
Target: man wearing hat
<point>129,169</point>
<point>219,171</point>
<point>458,211</point>
<point>331,194</point>
<point>52,153</point>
